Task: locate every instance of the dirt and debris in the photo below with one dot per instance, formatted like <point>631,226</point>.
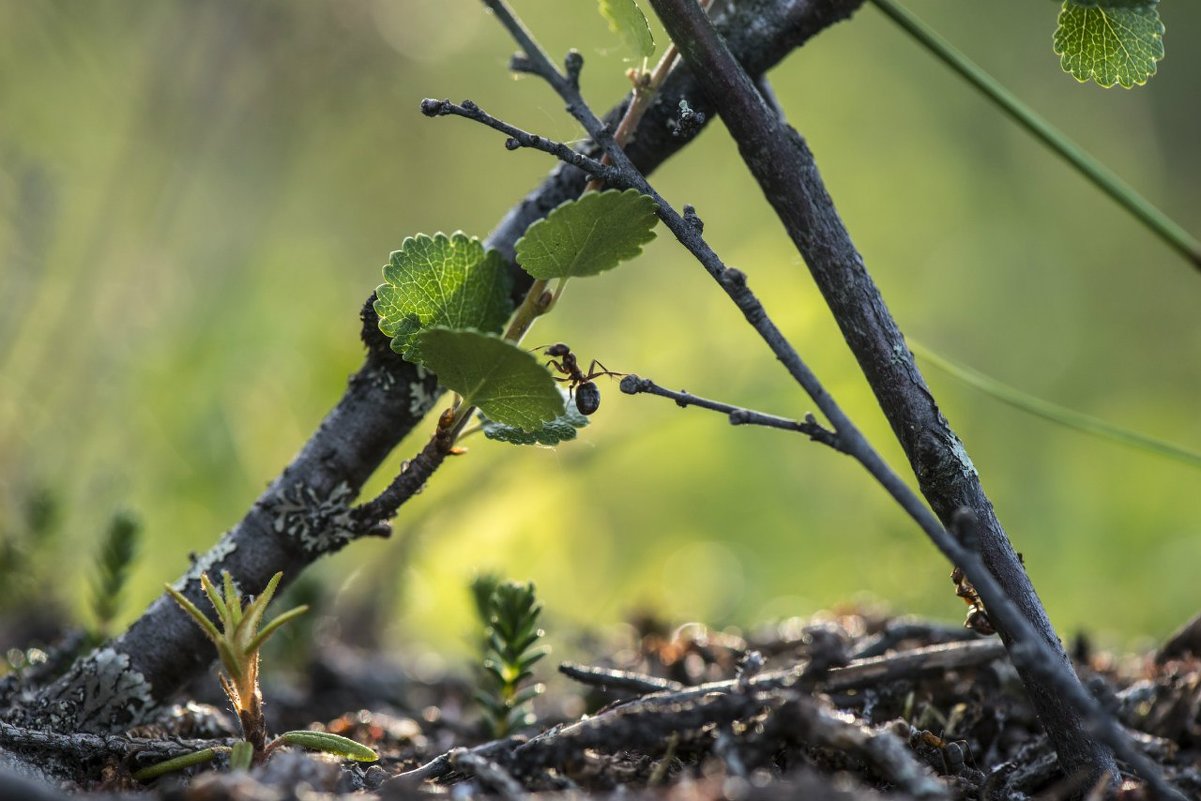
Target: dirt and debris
<point>843,706</point>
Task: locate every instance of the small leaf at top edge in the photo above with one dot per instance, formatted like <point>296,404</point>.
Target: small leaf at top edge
<point>626,19</point>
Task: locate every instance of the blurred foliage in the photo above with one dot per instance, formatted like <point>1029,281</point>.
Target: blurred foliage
<point>196,198</point>
<point>118,551</point>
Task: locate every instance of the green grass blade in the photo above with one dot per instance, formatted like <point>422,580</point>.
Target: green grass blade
<point>1101,176</point>
<point>1054,412</point>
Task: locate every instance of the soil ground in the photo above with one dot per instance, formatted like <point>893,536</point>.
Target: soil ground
<point>842,706</point>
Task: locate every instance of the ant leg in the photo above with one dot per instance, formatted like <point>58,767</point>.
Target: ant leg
<point>594,373</point>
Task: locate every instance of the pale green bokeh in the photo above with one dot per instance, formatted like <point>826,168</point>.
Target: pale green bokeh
<point>196,199</point>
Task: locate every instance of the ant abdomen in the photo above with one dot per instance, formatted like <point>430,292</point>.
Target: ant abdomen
<point>587,397</point>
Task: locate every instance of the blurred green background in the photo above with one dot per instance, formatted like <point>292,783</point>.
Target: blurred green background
<point>195,199</point>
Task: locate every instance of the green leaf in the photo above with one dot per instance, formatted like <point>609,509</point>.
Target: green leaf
<point>504,381</point>
<point>589,235</point>
<point>330,744</point>
<point>440,280</point>
<point>1113,44</point>
<point>626,19</point>
<point>1115,3</point>
<point>561,429</point>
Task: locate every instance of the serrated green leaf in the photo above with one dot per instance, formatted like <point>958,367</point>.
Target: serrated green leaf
<point>626,19</point>
<point>561,429</point>
<point>330,744</point>
<point>440,280</point>
<point>504,381</point>
<point>589,235</point>
<point>1115,3</point>
<point>1110,45</point>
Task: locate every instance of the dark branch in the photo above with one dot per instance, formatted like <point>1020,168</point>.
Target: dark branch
<point>909,664</point>
<point>612,679</point>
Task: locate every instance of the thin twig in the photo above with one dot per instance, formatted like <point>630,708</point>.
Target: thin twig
<point>408,482</point>
<point>517,137</point>
<point>738,416</point>
<point>614,679</point>
<point>910,664</point>
<point>1184,641</point>
<point>489,773</point>
<point>804,720</point>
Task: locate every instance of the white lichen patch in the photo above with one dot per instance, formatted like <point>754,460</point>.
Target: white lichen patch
<point>420,399</point>
<point>318,523</point>
<point>99,694</point>
<point>204,564</point>
<point>966,466</point>
<point>381,379</point>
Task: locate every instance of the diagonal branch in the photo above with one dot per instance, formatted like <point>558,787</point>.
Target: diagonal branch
<point>738,416</point>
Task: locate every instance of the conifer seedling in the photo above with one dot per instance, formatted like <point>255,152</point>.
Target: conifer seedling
<point>510,613</point>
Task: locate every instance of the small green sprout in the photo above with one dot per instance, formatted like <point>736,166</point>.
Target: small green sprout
<point>509,611</point>
<point>238,642</point>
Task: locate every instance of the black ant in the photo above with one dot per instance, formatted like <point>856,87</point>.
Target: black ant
<point>977,617</point>
<point>587,396</point>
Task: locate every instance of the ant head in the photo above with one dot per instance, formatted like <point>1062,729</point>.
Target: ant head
<point>558,349</point>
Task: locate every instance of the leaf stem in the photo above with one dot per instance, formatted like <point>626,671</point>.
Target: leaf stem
<point>1101,176</point>
<point>640,100</point>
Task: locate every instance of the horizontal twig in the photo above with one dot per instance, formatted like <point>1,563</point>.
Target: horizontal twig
<point>910,664</point>
<point>738,416</point>
<point>81,745</point>
<point>614,679</point>
<point>517,137</point>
